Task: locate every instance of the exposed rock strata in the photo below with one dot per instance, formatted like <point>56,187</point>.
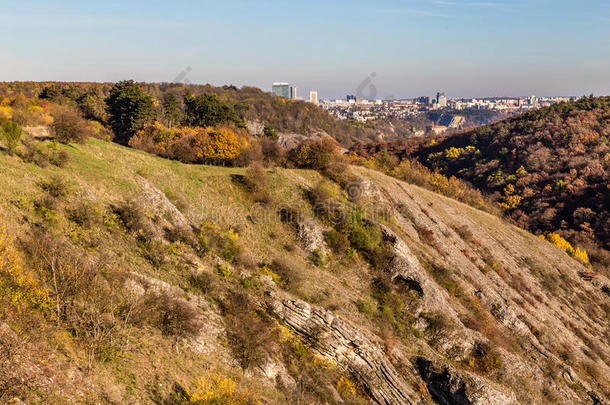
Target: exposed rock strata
<point>349,347</point>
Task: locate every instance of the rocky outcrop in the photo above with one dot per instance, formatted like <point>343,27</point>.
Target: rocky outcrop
<point>155,199</point>
<point>405,267</point>
<point>311,235</point>
<point>39,131</point>
<point>448,387</point>
<point>348,346</point>
<point>354,350</point>
<point>255,127</point>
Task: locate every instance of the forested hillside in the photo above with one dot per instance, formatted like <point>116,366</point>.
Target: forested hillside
<point>547,169</point>
<point>249,104</point>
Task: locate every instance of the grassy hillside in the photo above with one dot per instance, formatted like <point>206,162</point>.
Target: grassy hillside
<point>128,278</point>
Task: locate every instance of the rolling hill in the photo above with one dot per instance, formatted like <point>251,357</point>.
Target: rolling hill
<point>129,278</point>
<point>252,105</point>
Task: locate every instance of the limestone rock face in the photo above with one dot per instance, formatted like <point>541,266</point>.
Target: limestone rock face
<point>254,127</point>
<point>311,235</point>
<point>157,200</point>
<point>276,371</point>
<point>405,267</point>
<point>448,387</point>
<point>353,349</point>
<point>292,140</point>
<point>348,346</point>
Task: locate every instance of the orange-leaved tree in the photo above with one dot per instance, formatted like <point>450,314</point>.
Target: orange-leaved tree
<point>154,138</point>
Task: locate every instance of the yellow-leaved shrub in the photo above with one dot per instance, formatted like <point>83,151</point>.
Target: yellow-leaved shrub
<point>346,387</point>
<point>216,389</point>
<point>17,284</point>
<point>560,242</point>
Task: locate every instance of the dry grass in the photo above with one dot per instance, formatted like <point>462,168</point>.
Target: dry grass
<point>168,312</point>
<point>152,361</point>
<point>482,321</point>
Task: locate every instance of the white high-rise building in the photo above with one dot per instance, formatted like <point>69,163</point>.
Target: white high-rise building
<point>441,100</point>
<point>313,97</point>
<point>293,92</point>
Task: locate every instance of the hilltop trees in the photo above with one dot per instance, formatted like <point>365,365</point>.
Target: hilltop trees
<point>89,99</point>
<point>223,146</point>
<point>172,112</point>
<point>130,108</point>
<point>93,106</point>
<point>68,126</point>
<point>250,104</point>
<point>190,144</point>
<point>207,110</point>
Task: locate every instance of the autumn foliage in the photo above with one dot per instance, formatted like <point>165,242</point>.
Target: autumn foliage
<point>190,144</point>
<point>547,169</point>
<point>560,242</point>
<point>315,154</point>
<point>18,285</point>
<point>218,389</point>
<point>223,145</point>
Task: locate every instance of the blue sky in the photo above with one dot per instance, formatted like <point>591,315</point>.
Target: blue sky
<point>465,48</point>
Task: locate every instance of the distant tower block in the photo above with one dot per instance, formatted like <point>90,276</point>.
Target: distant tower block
<point>313,97</point>
<point>281,89</point>
<point>441,100</point>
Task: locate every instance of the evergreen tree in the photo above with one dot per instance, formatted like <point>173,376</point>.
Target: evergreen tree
<point>130,108</point>
<point>172,112</point>
<point>269,132</point>
<point>207,110</point>
<point>11,132</point>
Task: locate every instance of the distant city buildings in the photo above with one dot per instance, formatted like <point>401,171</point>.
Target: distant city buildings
<point>441,100</point>
<point>361,110</point>
<point>281,89</point>
<point>313,97</point>
<point>358,109</point>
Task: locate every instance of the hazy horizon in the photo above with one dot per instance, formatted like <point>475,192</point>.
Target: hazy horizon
<point>414,48</point>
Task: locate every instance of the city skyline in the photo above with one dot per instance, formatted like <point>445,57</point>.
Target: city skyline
<point>389,49</point>
<point>288,90</point>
